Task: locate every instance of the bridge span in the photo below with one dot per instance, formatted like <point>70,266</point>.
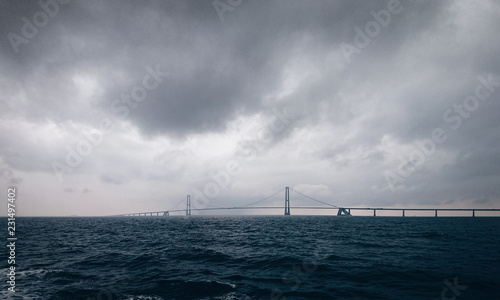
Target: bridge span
<point>341,211</point>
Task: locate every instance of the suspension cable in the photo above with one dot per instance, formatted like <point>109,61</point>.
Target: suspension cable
<point>314,199</point>
<point>253,203</point>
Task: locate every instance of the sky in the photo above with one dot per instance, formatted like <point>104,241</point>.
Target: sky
<point>112,107</point>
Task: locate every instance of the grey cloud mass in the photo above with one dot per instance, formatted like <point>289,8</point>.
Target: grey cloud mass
<point>142,102</point>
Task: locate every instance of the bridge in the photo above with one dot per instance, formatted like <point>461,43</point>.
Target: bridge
<point>272,204</point>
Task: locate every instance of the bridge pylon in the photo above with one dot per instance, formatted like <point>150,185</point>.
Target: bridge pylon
<point>188,205</point>
<point>287,201</point>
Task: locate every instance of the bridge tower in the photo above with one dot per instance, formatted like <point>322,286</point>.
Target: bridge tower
<point>188,205</point>
<point>287,201</point>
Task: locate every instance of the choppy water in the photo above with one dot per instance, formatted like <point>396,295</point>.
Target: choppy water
<point>279,257</point>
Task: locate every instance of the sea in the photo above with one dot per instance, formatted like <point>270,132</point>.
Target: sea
<point>256,257</point>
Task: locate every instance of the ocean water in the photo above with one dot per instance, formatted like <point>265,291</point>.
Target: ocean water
<point>256,257</point>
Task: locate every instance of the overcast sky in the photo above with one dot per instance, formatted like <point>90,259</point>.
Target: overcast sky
<point>111,107</point>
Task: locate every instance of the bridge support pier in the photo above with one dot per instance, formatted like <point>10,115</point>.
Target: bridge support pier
<point>343,212</point>
<point>188,205</point>
<point>374,212</point>
<point>435,213</point>
<point>287,201</point>
<point>473,213</point>
<point>403,212</point>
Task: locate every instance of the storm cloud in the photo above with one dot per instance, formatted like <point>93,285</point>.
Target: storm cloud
<point>141,102</point>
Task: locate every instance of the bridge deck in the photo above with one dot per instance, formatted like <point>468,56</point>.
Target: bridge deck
<point>342,211</point>
<point>151,213</point>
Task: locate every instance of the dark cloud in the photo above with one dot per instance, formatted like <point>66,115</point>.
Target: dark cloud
<point>217,70</point>
<point>353,117</point>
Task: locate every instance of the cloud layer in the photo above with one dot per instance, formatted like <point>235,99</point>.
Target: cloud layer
<point>109,107</point>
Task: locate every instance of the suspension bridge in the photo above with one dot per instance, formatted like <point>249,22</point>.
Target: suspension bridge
<point>303,202</point>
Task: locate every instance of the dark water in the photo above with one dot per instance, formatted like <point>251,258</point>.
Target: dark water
<point>280,257</point>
